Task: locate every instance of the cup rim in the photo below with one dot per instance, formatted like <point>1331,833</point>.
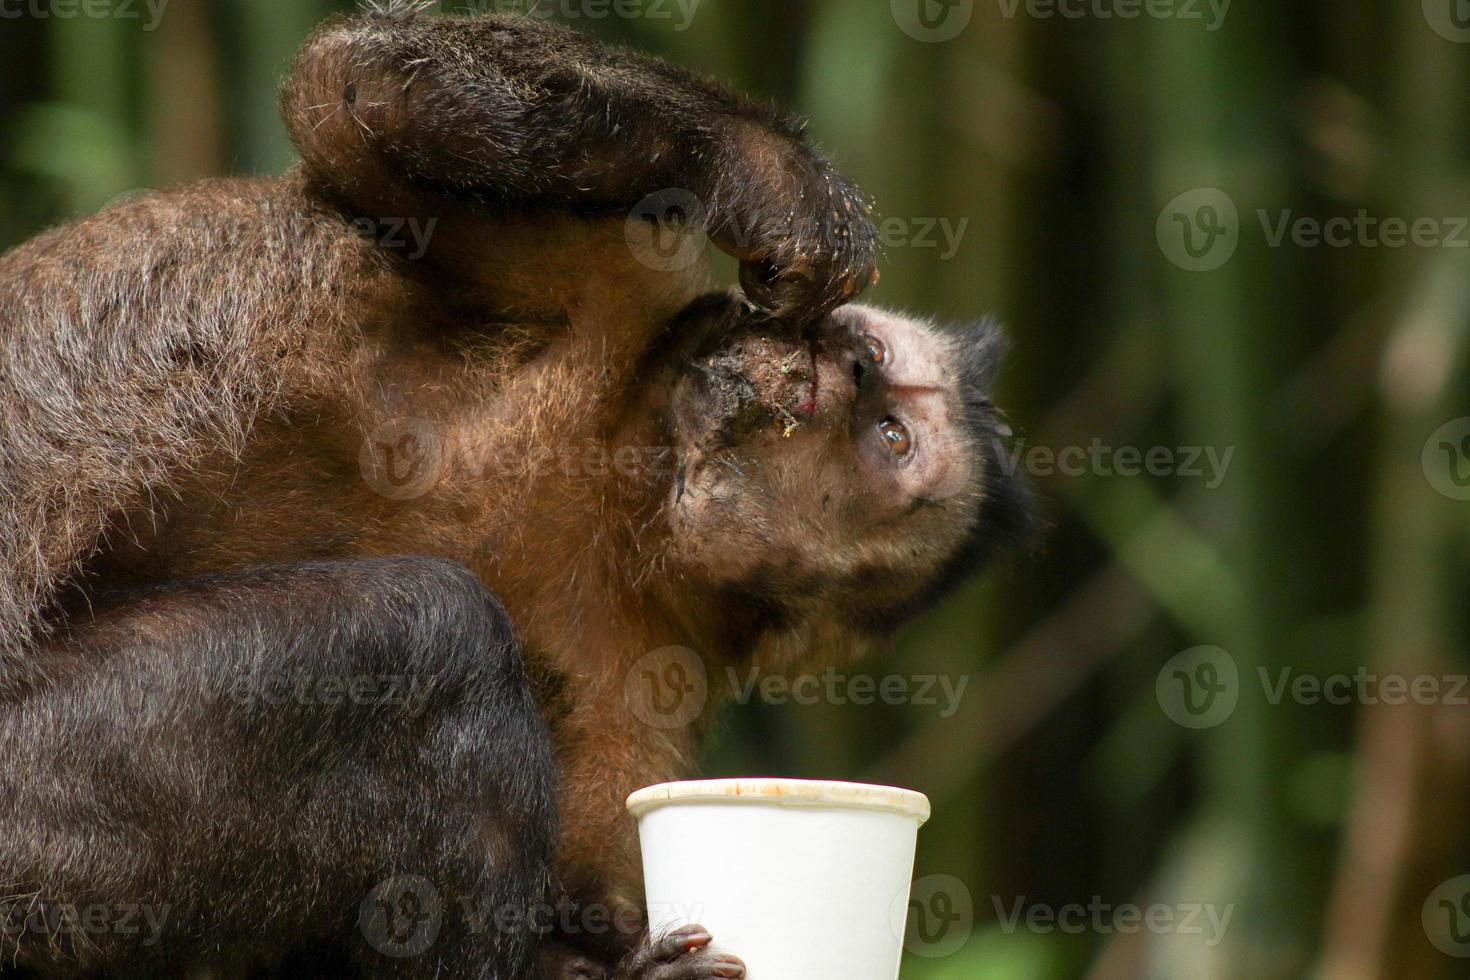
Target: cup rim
<point>783,792</point>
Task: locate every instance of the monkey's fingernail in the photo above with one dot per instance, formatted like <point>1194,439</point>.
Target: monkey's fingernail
<point>729,971</point>
<point>695,940</point>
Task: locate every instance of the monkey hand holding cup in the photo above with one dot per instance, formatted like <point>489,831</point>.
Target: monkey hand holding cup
<point>802,879</point>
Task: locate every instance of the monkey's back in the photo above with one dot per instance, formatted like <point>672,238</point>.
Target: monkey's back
<point>139,340</point>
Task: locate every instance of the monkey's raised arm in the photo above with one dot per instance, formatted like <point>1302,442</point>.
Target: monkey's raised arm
<point>438,116</point>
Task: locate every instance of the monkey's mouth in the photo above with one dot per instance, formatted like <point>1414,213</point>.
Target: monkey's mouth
<point>747,382</point>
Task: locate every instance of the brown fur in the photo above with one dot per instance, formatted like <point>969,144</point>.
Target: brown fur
<point>190,380</point>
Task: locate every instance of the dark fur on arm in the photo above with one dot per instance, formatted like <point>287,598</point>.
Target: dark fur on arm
<point>196,750</point>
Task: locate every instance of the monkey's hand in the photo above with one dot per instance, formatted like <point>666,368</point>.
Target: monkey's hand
<point>682,954</point>
<point>803,233</point>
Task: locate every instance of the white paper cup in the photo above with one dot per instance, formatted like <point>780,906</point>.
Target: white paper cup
<point>802,879</point>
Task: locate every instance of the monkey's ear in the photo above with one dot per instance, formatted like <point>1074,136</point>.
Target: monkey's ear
<point>1008,518</point>
<point>980,349</point>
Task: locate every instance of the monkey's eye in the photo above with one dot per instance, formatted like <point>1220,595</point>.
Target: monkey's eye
<point>895,437</point>
<point>877,350</point>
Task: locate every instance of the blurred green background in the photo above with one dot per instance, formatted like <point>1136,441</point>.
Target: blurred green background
<point>1134,196</point>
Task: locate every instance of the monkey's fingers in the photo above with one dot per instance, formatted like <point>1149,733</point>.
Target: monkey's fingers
<point>803,233</point>
<point>803,293</point>
<point>681,955</point>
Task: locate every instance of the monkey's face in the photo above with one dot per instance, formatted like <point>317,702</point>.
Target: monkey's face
<point>840,474</point>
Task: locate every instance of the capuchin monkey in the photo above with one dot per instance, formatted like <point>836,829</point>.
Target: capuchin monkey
<point>331,569</point>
